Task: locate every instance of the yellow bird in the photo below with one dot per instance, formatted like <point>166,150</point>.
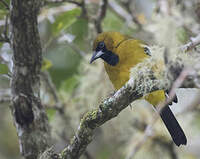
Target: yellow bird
<point>121,53</point>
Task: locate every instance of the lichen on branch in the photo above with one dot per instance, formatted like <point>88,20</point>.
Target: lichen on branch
<point>140,83</point>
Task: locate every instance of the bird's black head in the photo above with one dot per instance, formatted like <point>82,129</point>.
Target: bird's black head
<point>102,52</point>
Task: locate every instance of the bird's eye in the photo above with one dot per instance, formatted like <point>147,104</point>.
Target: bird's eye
<point>101,45</point>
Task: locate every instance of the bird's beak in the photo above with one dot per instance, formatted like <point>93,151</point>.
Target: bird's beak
<point>96,55</point>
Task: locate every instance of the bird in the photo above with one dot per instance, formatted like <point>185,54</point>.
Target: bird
<point>120,53</point>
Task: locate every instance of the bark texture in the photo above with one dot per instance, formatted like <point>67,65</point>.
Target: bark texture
<point>29,115</point>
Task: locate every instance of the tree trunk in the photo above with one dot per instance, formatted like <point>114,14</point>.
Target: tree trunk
<point>29,115</point>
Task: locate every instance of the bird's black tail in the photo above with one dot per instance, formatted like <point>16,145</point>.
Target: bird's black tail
<point>173,126</point>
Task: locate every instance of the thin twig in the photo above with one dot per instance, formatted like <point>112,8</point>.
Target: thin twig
<point>77,50</point>
<point>62,1</point>
<point>5,100</point>
<point>4,37</point>
<point>5,4</point>
<point>149,129</point>
<point>164,7</point>
<point>122,13</point>
<point>6,25</point>
<point>127,5</point>
<point>101,15</point>
<point>59,106</point>
<point>167,146</point>
<point>79,4</point>
<point>45,75</point>
<point>194,42</point>
<point>84,13</point>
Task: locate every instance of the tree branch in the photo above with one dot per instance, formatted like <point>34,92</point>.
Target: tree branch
<point>5,4</point>
<point>4,100</point>
<point>128,17</point>
<point>167,146</point>
<point>29,115</point>
<point>101,15</point>
<point>148,132</point>
<point>4,35</point>
<point>127,5</point>
<point>112,106</point>
<point>62,1</point>
<point>194,42</point>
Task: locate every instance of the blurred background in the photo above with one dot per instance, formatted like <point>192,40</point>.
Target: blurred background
<point>70,86</point>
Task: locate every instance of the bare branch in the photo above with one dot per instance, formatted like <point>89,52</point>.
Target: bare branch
<point>164,7</point>
<point>5,4</point>
<point>101,15</point>
<point>4,36</point>
<point>167,146</point>
<point>149,133</point>
<point>127,5</point>
<point>59,106</point>
<point>79,4</point>
<point>112,106</point>
<point>4,40</point>
<point>45,75</point>
<point>194,42</point>
<point>5,100</point>
<point>62,1</point>
<point>128,17</point>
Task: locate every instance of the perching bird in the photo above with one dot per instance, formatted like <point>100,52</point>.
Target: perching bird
<point>120,53</point>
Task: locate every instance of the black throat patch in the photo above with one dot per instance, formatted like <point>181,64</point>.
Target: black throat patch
<point>110,58</point>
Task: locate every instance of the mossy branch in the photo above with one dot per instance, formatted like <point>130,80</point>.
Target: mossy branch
<point>134,89</point>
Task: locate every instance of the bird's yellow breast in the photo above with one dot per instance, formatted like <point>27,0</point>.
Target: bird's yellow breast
<point>130,53</point>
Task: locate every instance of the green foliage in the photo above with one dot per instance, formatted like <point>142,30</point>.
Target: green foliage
<point>64,20</point>
<point>3,10</point>
<point>105,153</point>
<point>50,113</point>
<point>70,84</point>
<point>3,69</point>
<point>46,64</point>
<point>80,30</point>
<point>182,35</point>
<point>65,62</point>
<point>114,23</point>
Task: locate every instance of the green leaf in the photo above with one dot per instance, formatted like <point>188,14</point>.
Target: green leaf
<point>64,20</point>
<point>65,63</point>
<point>3,10</point>
<point>182,35</point>
<point>115,23</point>
<point>80,30</point>
<point>3,69</point>
<point>70,84</point>
<point>46,64</point>
<point>50,113</point>
<point>2,6</point>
